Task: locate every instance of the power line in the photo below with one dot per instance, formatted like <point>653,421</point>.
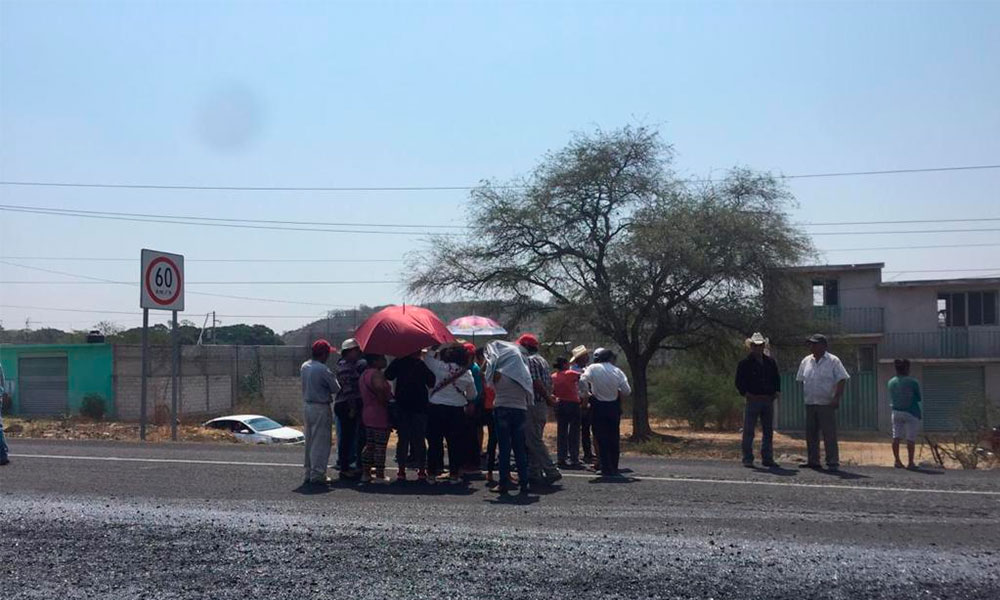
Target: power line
<point>912,231</point>
<point>440,188</point>
<point>210,260</point>
<point>308,282</point>
<point>945,270</point>
<point>209,294</point>
<point>225,219</point>
<point>139,313</point>
<point>931,246</point>
<point>905,222</point>
<point>71,213</point>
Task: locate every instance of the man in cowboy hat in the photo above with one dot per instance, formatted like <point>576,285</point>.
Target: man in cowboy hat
<point>823,377</point>
<point>758,380</point>
<point>579,359</point>
<point>347,408</point>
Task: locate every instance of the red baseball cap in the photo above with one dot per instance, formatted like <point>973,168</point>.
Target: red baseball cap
<point>528,341</point>
<point>322,346</point>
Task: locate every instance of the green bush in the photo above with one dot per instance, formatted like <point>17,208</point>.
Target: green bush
<point>93,407</point>
<point>700,395</point>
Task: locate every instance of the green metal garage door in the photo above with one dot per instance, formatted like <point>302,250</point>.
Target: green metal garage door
<point>945,390</point>
<point>43,385</point>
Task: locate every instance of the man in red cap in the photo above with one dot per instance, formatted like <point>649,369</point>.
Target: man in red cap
<point>318,389</point>
<point>541,469</point>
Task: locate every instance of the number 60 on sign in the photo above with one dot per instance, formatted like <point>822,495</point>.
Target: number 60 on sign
<point>162,281</point>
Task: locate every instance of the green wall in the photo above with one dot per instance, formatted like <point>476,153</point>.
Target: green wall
<point>89,370</point>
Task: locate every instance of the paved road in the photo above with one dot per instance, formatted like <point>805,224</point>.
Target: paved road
<point>113,520</point>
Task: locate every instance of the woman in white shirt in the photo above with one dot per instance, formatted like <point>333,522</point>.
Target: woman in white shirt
<point>454,388</point>
<point>608,385</point>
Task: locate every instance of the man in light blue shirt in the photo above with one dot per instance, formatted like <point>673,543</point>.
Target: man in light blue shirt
<point>823,377</point>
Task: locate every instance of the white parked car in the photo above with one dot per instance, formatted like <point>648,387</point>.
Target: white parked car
<point>257,429</point>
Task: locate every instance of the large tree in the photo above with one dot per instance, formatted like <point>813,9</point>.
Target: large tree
<point>604,229</point>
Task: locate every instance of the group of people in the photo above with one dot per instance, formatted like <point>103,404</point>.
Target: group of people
<point>823,378</point>
<point>458,396</point>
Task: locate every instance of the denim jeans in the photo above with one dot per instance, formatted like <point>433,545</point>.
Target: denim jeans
<point>568,432</point>
<point>607,418</point>
<point>509,424</point>
<point>348,436</point>
<point>763,410</point>
<point>822,418</point>
<point>411,446</point>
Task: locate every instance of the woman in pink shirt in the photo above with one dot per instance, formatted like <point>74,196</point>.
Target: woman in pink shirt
<point>375,395</point>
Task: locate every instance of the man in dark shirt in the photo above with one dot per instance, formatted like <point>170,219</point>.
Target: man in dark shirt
<point>413,378</point>
<point>758,380</point>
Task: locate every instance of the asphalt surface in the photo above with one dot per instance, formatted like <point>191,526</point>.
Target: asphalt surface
<point>116,520</point>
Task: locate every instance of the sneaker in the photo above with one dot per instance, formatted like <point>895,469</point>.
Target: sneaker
<point>562,464</point>
<point>748,463</point>
<point>553,476</point>
<point>898,465</point>
<point>320,481</point>
<point>401,475</point>
<point>771,464</point>
<point>833,468</point>
<point>422,475</point>
<point>4,461</point>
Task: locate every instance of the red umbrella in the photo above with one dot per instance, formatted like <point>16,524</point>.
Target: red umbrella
<point>401,330</point>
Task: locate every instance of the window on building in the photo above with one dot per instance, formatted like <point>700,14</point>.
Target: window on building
<point>825,292</point>
<point>960,309</point>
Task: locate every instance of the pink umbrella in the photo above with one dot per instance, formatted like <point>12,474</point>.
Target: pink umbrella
<point>475,325</point>
<point>401,330</point>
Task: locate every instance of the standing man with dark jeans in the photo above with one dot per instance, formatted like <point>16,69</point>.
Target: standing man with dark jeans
<point>413,380</point>
<point>578,362</point>
<point>566,389</point>
<point>507,369</point>
<point>318,388</point>
<point>608,385</point>
<point>541,469</point>
<point>347,407</point>
<point>823,377</point>
<point>758,380</point>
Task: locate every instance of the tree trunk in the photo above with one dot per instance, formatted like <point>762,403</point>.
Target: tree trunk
<point>641,430</point>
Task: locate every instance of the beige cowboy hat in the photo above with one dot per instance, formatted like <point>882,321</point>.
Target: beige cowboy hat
<point>757,339</point>
<point>578,352</point>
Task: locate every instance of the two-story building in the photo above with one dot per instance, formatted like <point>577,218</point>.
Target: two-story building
<point>948,328</point>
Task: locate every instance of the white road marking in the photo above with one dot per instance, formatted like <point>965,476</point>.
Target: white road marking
<point>681,479</point>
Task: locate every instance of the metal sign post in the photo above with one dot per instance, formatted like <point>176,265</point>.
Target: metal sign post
<point>145,373</point>
<point>161,283</point>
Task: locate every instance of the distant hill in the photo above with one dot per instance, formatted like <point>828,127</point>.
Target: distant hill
<point>342,323</point>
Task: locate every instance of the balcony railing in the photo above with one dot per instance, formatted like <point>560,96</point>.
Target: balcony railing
<point>946,343</point>
<point>849,320</point>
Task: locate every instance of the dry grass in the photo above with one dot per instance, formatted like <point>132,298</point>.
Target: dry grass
<point>676,440</point>
<point>77,428</point>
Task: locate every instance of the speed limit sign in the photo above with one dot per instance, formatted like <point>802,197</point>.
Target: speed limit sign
<point>162,281</point>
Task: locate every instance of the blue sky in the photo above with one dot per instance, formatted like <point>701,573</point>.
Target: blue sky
<point>449,93</point>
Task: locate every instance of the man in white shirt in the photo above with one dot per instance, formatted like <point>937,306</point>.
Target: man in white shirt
<point>823,378</point>
<point>319,385</point>
<point>608,385</point>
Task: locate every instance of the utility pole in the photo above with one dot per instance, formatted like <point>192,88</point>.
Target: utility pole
<point>214,321</point>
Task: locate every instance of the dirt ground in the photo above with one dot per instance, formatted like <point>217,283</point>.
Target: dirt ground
<point>870,449</point>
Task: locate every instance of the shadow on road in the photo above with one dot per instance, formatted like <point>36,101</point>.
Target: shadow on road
<point>613,479</point>
<point>312,489</point>
<point>926,471</point>
<point>842,474</point>
<point>779,471</point>
<point>412,488</point>
<point>513,499</point>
